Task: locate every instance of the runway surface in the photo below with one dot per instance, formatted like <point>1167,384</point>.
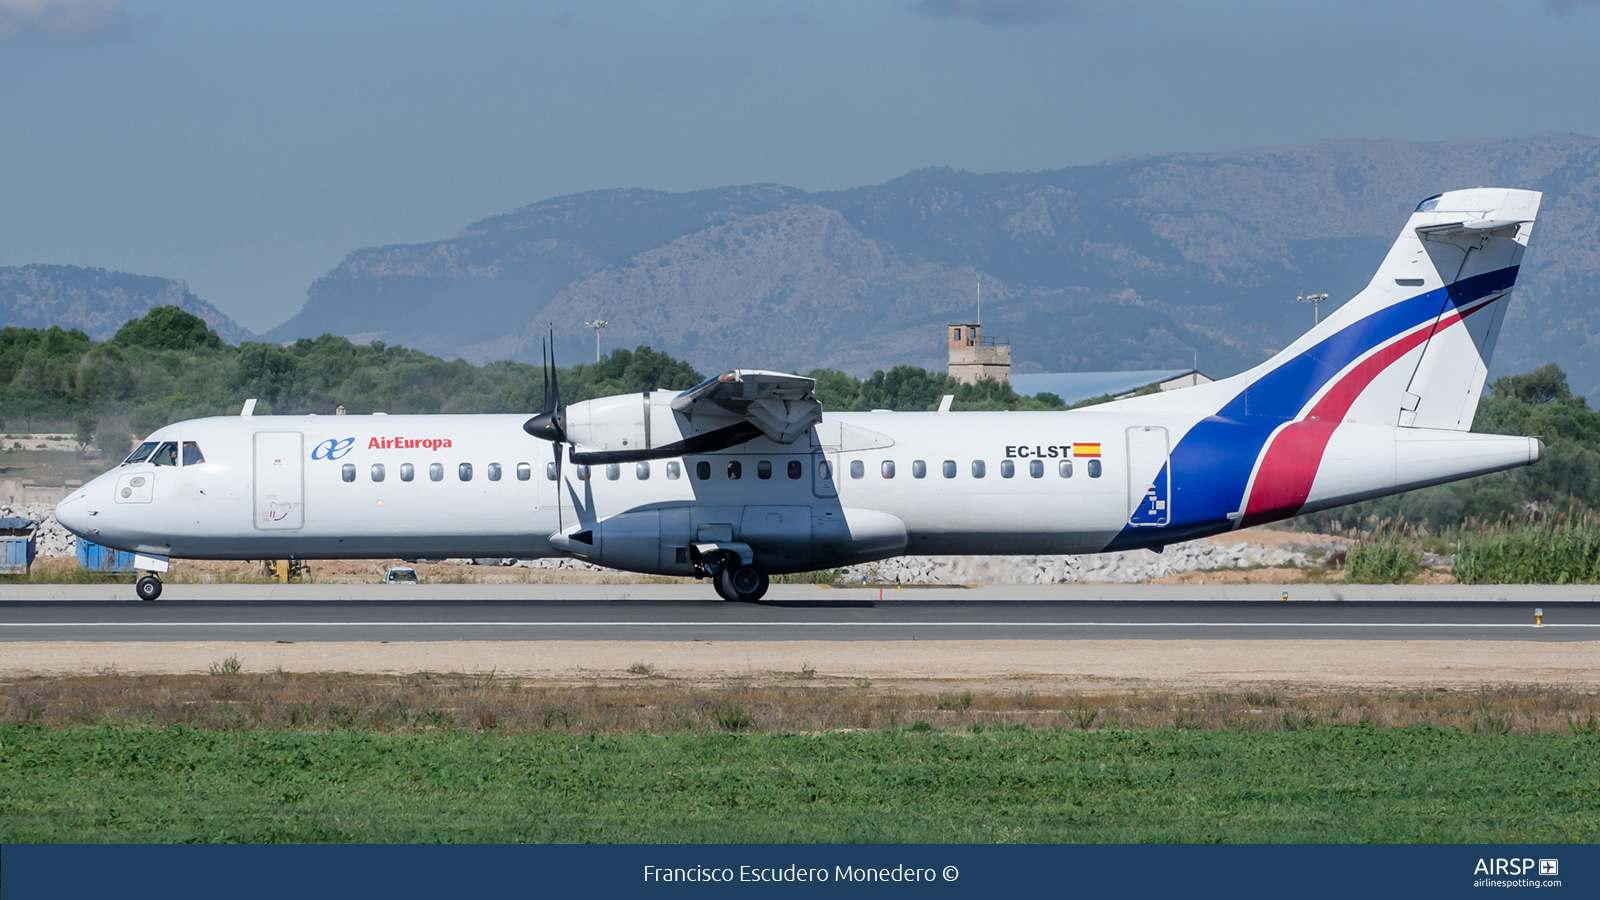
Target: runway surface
<point>792,615</point>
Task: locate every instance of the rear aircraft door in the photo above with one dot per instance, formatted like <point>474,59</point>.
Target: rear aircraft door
<point>1149,477</point>
<point>279,481</point>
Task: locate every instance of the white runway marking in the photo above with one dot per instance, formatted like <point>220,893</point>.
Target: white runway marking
<point>714,624</point>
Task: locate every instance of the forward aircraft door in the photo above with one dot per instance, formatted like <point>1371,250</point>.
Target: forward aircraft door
<point>279,481</point>
<point>1149,477</point>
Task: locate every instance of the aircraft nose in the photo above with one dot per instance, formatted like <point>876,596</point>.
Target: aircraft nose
<point>73,513</point>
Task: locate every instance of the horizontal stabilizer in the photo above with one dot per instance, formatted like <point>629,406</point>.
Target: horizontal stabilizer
<point>1486,227</point>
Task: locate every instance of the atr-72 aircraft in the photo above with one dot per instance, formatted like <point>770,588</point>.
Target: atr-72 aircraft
<point>745,475</point>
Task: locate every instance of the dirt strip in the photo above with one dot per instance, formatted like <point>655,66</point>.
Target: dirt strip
<point>1171,665</point>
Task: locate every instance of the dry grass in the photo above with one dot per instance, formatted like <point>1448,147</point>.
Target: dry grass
<point>648,703</point>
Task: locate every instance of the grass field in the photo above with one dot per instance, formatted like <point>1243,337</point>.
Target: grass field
<point>1364,784</point>
<point>276,757</point>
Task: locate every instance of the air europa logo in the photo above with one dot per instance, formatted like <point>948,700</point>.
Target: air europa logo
<point>405,443</point>
<point>333,448</point>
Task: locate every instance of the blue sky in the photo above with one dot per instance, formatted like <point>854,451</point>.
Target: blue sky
<point>248,147</point>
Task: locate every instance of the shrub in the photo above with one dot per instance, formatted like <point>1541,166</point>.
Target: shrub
<point>1386,556</point>
<point>1563,550</point>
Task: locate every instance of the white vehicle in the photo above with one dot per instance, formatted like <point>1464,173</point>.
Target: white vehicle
<point>745,475</point>
<point>400,575</point>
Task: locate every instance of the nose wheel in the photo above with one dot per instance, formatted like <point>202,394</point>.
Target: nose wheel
<point>148,587</point>
<point>745,584</point>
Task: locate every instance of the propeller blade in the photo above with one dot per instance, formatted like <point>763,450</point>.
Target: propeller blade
<point>544,371</point>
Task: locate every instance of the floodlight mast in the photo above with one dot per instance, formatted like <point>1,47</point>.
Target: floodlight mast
<point>1316,305</point>
<point>597,324</point>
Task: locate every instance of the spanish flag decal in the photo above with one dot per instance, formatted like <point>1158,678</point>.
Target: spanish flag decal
<point>1085,449</point>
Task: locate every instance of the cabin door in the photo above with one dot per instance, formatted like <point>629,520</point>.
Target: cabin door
<point>1149,477</point>
<point>280,485</point>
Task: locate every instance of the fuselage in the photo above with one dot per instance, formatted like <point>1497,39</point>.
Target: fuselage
<point>862,486</point>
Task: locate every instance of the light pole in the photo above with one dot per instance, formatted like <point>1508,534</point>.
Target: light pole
<point>1316,305</point>
<point>597,324</point>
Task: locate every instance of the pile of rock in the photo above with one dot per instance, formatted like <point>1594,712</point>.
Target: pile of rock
<point>51,540</point>
<point>1125,566</point>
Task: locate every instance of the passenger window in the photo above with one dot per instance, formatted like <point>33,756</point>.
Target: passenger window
<point>524,472</point>
<point>734,470</point>
<point>702,470</point>
<point>166,454</point>
<point>888,468</point>
<point>674,471</point>
<point>1065,468</point>
<point>191,454</point>
<point>764,470</point>
<point>1094,468</point>
<point>795,470</point>
<point>919,469</point>
<point>1007,468</point>
<point>949,468</point>
<point>436,472</point>
<point>464,471</point>
<point>978,468</point>
<point>613,471</point>
<point>494,471</point>
<point>141,453</point>
<point>824,470</point>
<point>1036,469</point>
<point>407,472</point>
<point>549,471</point>
<point>642,471</point>
<point>583,473</point>
<point>857,468</point>
<point>348,472</point>
<point>377,472</point>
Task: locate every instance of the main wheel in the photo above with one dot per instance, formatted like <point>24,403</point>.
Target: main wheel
<point>148,587</point>
<point>716,585</point>
<point>744,583</point>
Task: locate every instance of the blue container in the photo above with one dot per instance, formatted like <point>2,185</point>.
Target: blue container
<point>16,546</point>
<point>95,558</point>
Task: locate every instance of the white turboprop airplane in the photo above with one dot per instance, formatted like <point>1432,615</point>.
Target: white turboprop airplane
<point>745,476</point>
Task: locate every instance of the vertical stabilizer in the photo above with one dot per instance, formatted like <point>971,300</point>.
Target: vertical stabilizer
<point>1474,245</point>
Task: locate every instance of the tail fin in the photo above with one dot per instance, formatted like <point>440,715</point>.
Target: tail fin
<point>1470,245</point>
<point>1413,348</point>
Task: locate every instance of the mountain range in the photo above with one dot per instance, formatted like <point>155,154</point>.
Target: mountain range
<point>96,301</point>
<point>1149,262</point>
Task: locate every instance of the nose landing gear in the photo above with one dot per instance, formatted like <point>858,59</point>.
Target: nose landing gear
<point>147,587</point>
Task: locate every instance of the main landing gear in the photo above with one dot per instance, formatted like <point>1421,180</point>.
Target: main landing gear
<point>148,587</point>
<point>745,584</point>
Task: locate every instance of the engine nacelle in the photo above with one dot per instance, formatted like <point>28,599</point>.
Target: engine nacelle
<point>676,540</point>
<point>716,414</point>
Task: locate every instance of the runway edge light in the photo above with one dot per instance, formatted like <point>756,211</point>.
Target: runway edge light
<point>1538,617</point>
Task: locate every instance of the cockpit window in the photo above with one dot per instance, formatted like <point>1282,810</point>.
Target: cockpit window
<point>166,454</point>
<point>191,454</point>
<point>140,453</point>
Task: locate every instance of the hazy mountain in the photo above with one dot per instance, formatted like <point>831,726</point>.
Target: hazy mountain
<point>1132,263</point>
<point>96,301</point>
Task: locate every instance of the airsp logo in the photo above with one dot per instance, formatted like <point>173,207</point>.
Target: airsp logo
<point>1549,867</point>
<point>333,449</point>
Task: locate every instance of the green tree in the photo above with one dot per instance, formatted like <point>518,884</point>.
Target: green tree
<point>167,328</point>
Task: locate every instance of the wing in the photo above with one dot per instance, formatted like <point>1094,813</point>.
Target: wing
<point>783,407</point>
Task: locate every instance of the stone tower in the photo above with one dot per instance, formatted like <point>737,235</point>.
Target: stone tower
<point>973,356</point>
